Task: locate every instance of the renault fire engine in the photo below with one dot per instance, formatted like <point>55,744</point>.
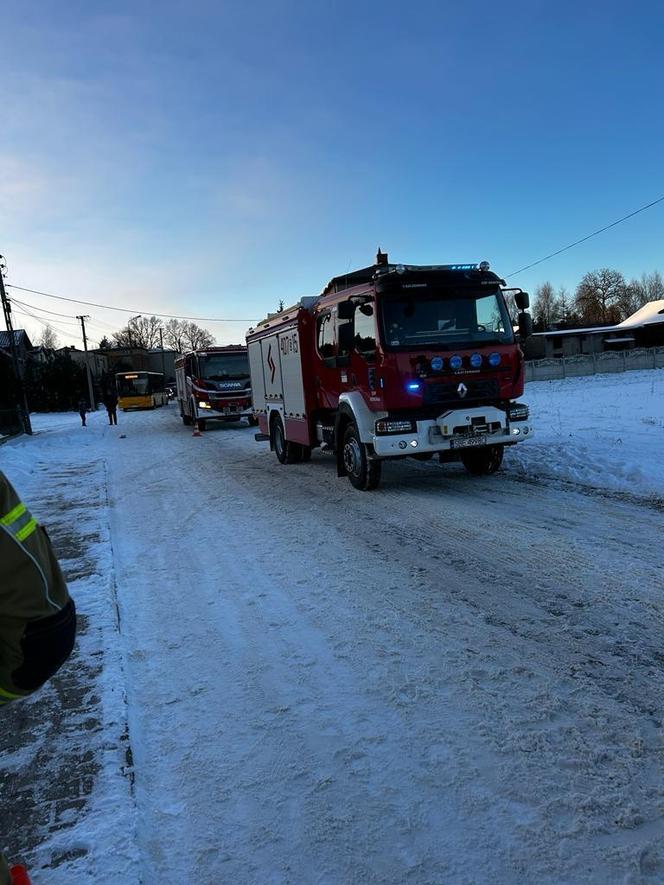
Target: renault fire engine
<point>214,384</point>
<point>392,361</point>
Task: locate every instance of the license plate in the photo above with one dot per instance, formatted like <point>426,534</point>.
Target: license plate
<point>468,442</point>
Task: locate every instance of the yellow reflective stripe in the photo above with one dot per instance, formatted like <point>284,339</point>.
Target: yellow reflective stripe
<point>8,696</point>
<point>27,530</point>
<point>13,514</point>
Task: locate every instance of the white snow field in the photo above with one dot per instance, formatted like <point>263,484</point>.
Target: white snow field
<point>448,680</point>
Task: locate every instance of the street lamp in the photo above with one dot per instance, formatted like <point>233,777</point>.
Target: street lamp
<point>131,320</point>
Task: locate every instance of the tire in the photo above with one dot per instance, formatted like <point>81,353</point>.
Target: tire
<point>483,461</point>
<point>363,473</point>
<point>287,452</point>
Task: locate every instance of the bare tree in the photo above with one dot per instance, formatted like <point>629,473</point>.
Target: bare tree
<point>196,337</point>
<point>181,335</point>
<point>599,294</point>
<point>139,332</point>
<point>174,335</point>
<point>564,307</point>
<point>48,338</point>
<point>545,311</point>
<point>639,292</point>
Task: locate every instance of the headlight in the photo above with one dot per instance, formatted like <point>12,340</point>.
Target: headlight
<point>437,363</point>
<point>476,360</point>
<point>518,412</point>
<point>494,359</point>
<point>456,362</point>
<point>203,405</point>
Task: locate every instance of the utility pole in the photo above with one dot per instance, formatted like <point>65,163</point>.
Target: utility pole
<point>21,398</point>
<point>161,344</point>
<point>91,392</point>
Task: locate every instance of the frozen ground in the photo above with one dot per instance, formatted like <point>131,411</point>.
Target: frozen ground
<point>450,680</point>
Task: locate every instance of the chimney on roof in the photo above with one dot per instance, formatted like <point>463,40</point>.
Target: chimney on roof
<point>381,258</point>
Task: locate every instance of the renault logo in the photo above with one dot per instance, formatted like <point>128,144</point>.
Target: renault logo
<point>462,390</point>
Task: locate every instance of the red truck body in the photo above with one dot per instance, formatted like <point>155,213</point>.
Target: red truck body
<point>391,361</point>
<point>214,383</point>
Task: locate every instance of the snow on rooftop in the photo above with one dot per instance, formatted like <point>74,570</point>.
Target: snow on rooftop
<point>652,312</point>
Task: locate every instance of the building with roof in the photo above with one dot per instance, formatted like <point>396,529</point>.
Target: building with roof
<point>23,346</point>
<point>645,328</point>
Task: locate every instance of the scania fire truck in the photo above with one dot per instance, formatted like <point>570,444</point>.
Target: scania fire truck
<point>214,384</point>
<point>392,361</point>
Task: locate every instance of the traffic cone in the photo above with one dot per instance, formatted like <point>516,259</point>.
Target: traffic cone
<point>19,875</point>
<point>196,432</point>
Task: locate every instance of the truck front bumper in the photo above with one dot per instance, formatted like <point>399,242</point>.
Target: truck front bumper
<point>458,430</point>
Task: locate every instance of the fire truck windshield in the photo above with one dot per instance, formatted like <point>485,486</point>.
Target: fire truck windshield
<point>444,318</point>
<point>224,366</point>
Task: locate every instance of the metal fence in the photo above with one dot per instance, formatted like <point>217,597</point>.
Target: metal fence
<point>595,364</point>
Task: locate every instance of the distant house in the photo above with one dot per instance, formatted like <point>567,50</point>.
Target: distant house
<point>132,358</point>
<point>23,346</point>
<point>645,328</point>
<point>97,359</point>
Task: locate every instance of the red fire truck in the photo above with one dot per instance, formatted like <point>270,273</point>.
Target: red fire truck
<point>392,361</point>
<point>214,384</point>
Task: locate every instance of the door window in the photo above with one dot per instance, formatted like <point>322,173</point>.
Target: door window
<point>365,329</point>
<point>325,335</point>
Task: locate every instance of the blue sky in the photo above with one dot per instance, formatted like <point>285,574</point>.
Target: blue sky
<point>213,158</point>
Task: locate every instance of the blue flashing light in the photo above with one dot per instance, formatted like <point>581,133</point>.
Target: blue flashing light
<point>414,386</point>
<point>437,363</point>
<point>476,360</point>
<point>456,362</point>
<point>494,359</point>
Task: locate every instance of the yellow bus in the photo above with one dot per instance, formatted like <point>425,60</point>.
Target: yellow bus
<point>140,390</point>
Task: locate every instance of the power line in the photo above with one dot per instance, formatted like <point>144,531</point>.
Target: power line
<point>41,310</point>
<point>583,239</point>
<point>45,323</point>
<point>170,316</point>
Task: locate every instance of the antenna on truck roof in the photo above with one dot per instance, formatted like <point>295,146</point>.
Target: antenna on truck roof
<point>381,258</point>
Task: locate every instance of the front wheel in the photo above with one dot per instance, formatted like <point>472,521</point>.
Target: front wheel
<point>363,473</point>
<point>287,452</point>
<point>483,461</point>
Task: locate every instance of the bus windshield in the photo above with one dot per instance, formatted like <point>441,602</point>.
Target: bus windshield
<point>224,366</point>
<point>446,318</point>
<point>133,385</point>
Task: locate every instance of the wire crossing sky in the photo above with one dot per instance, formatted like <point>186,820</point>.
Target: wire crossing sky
<point>218,158</point>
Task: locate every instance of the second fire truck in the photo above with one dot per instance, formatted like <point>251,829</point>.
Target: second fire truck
<point>392,361</point>
<point>214,384</point>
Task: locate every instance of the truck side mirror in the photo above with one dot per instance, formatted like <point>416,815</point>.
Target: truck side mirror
<point>525,325</point>
<point>345,310</point>
<point>522,300</point>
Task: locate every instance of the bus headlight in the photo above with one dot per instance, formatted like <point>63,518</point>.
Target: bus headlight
<point>203,405</point>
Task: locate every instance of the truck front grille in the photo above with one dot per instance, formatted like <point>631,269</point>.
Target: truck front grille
<point>446,393</point>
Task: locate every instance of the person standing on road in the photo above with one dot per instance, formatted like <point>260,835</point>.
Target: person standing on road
<point>82,410</point>
<point>37,614</point>
<point>111,403</point>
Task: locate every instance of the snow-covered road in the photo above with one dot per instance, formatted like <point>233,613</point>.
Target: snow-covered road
<point>449,680</point>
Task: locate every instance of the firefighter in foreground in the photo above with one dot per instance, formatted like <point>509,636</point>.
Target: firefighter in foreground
<point>37,615</point>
